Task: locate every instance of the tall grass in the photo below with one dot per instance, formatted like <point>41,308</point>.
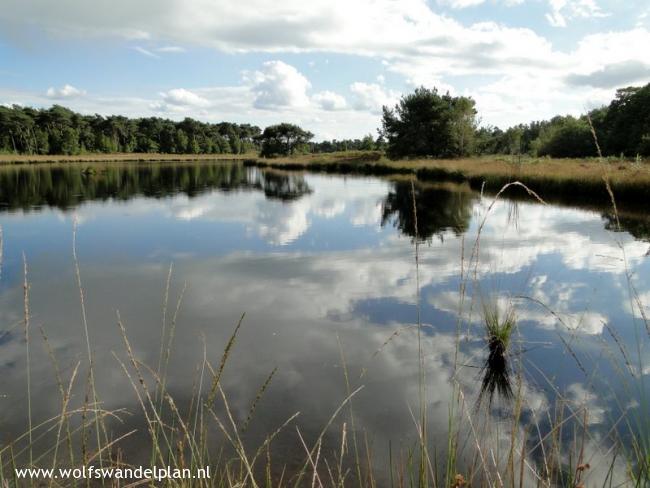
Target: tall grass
<point>28,362</point>
<point>499,327</point>
<point>634,377</point>
<point>422,385</point>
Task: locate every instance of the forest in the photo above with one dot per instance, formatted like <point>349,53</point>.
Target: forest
<point>424,123</point>
<point>622,129</point>
<point>58,130</point>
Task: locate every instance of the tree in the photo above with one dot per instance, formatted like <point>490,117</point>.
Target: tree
<point>512,140</point>
<point>566,137</point>
<point>628,122</point>
<point>68,142</point>
<point>180,141</point>
<point>463,125</point>
<point>367,143</point>
<point>283,140</point>
<point>58,130</point>
<point>425,123</point>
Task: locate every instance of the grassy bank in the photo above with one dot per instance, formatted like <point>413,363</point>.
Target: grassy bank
<point>114,157</point>
<point>568,179</point>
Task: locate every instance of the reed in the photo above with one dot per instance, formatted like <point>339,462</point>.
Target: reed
<point>499,327</point>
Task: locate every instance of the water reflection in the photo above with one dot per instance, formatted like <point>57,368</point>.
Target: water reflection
<point>311,260</point>
<point>66,186</point>
<point>439,208</point>
<point>637,224</point>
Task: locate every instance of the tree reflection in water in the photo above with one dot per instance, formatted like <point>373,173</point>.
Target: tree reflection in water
<point>66,186</point>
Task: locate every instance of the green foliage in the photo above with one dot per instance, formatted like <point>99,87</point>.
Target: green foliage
<point>463,125</point>
<point>622,128</point>
<point>566,137</point>
<point>627,123</point>
<point>283,140</point>
<point>367,143</point>
<point>425,123</point>
<point>499,324</point>
<point>58,130</point>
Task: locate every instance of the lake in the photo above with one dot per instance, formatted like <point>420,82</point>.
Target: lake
<point>324,269</point>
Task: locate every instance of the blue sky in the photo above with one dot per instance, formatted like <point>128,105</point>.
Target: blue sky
<point>328,65</point>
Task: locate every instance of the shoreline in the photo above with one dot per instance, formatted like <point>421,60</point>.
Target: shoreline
<point>9,159</point>
<point>571,180</point>
<point>567,180</point>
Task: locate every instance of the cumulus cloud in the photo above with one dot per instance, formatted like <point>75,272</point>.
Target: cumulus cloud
<point>279,85</point>
<point>181,96</point>
<point>613,75</point>
<point>458,4</point>
<point>408,29</point>
<point>565,10</point>
<point>610,49</point>
<point>372,96</point>
<point>416,43</point>
<point>65,92</point>
<point>328,100</point>
<point>180,100</point>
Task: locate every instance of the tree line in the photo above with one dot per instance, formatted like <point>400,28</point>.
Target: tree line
<point>58,130</point>
<point>366,143</point>
<point>426,123</point>
<point>423,123</point>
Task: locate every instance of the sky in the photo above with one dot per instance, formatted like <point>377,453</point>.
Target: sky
<point>327,65</point>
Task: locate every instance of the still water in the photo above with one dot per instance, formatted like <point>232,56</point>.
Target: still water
<point>322,266</point>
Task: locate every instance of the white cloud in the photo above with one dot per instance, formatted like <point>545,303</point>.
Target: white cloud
<point>564,10</point>
<point>372,96</point>
<point>328,100</point>
<point>408,28</point>
<point>459,4</point>
<point>416,43</point>
<point>66,91</point>
<point>170,49</point>
<point>582,397</point>
<point>639,306</point>
<point>163,49</point>
<point>280,223</point>
<point>181,101</point>
<point>146,52</point>
<point>279,85</point>
<point>181,96</point>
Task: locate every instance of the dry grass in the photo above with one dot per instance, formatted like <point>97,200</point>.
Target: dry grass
<point>588,169</point>
<point>115,157</point>
<point>578,170</point>
<point>570,178</point>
